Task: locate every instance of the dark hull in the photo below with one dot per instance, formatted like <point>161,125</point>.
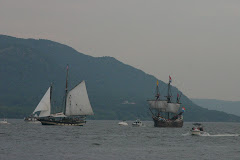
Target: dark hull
<point>170,123</point>
<point>63,122</point>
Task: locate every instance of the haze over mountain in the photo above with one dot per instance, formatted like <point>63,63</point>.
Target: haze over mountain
<point>116,90</point>
<point>232,107</point>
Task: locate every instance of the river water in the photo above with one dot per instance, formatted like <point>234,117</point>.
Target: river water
<point>106,140</point>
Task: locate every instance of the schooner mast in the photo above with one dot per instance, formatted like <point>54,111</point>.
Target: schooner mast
<point>66,92</point>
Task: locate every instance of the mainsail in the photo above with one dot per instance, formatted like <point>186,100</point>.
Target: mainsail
<point>158,104</point>
<point>78,101</point>
<point>44,105</point>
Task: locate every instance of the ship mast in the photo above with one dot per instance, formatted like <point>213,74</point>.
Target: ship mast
<point>169,90</point>
<point>66,91</point>
<point>169,93</point>
<point>51,94</point>
<point>157,92</point>
<point>157,95</point>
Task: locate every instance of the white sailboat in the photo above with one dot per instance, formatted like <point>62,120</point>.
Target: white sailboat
<point>77,107</point>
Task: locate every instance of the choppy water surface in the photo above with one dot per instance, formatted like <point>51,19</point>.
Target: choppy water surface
<point>105,140</point>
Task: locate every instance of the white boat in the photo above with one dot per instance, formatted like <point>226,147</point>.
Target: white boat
<point>31,119</point>
<point>123,123</point>
<point>137,123</point>
<point>197,129</point>
<point>4,121</point>
<point>76,107</point>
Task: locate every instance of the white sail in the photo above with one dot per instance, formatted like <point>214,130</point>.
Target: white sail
<point>78,102</point>
<point>158,104</point>
<point>44,105</point>
<point>172,107</point>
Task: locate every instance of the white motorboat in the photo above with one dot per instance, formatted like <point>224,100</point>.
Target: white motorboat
<point>4,121</point>
<point>137,123</point>
<point>123,123</point>
<point>31,119</point>
<point>197,129</point>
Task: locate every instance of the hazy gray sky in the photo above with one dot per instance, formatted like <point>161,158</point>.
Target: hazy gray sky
<point>196,42</point>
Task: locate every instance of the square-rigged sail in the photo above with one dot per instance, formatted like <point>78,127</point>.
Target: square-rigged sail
<point>172,107</point>
<point>164,106</point>
<point>160,105</point>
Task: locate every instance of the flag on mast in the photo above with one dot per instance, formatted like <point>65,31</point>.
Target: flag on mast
<point>183,109</point>
<point>170,79</point>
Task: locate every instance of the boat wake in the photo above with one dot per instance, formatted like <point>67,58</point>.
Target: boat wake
<point>205,134</point>
<point>186,134</point>
<point>219,135</point>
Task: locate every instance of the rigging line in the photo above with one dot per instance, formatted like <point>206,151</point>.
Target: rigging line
<point>163,88</point>
<point>63,102</point>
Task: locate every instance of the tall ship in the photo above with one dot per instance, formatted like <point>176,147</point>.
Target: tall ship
<point>165,112</point>
<point>76,107</point>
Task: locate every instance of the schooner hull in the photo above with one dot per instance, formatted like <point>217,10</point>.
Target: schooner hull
<point>62,122</point>
<point>169,123</point>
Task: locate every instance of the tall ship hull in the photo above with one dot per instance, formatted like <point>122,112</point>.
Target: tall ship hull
<point>170,123</point>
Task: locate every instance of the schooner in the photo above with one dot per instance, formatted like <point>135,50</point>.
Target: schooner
<point>76,107</point>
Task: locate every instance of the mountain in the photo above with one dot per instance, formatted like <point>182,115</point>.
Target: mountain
<point>231,107</point>
<point>116,90</point>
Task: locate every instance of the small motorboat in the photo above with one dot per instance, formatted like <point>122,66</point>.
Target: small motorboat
<point>123,123</point>
<point>137,123</point>
<point>31,119</point>
<point>4,121</point>
<point>197,129</point>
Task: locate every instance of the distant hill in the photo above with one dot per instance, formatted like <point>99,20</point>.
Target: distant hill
<point>116,90</point>
<point>231,107</point>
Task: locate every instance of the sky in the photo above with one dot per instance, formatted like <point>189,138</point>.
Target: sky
<point>196,42</point>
